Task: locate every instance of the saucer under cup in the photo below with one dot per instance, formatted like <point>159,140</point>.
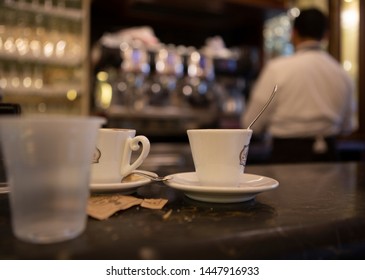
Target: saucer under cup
<point>249,186</point>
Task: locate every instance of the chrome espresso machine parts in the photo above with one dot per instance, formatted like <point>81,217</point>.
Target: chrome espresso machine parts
<point>165,89</point>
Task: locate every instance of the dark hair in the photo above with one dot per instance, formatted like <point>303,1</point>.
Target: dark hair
<point>311,23</point>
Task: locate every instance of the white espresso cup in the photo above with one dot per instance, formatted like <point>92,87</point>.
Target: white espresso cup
<point>112,155</point>
<point>219,155</point>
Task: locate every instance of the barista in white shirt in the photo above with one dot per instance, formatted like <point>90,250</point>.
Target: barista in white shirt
<point>315,99</point>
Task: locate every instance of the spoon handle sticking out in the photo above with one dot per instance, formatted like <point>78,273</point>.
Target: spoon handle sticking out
<point>151,175</point>
<point>265,106</point>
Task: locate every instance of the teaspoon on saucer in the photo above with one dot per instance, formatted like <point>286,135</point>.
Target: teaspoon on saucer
<point>151,175</point>
<point>4,188</point>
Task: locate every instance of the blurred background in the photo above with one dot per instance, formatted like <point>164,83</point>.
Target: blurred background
<point>161,66</point>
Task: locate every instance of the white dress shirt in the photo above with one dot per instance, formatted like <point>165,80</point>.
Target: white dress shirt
<point>315,96</point>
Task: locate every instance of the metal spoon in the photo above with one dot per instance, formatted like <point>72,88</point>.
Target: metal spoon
<point>4,188</point>
<point>265,106</point>
<point>151,175</point>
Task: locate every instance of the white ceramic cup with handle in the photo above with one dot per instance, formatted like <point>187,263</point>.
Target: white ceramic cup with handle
<point>219,155</point>
<point>112,155</point>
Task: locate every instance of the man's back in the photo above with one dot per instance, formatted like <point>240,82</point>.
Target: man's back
<point>314,95</point>
<point>315,101</point>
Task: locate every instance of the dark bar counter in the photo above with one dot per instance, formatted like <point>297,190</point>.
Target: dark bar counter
<point>317,212</point>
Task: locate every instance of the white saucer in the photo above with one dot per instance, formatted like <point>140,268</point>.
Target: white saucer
<point>128,185</point>
<point>250,186</point>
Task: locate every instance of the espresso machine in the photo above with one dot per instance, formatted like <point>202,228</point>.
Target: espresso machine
<point>161,90</point>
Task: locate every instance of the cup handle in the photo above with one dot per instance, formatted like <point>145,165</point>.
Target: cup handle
<point>133,144</point>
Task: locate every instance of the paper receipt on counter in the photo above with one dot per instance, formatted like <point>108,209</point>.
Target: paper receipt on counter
<point>153,203</point>
<point>102,207</point>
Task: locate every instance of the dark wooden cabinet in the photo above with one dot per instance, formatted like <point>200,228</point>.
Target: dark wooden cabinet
<point>187,22</point>
<point>335,8</point>
<point>361,84</point>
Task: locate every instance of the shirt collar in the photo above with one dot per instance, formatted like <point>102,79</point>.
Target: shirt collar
<point>309,45</point>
